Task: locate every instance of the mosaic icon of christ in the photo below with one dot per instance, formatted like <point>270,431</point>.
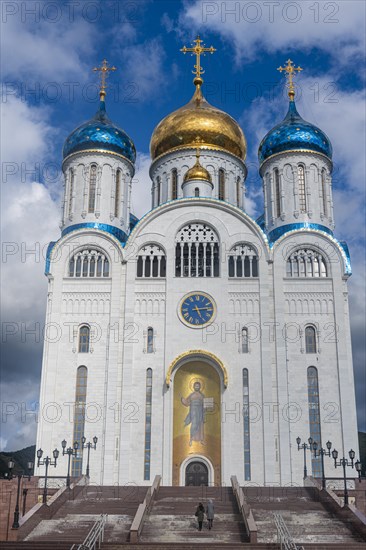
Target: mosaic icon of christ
<point>197,404</point>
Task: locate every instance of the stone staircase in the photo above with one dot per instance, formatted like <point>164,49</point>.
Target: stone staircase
<point>309,521</point>
<point>172,517</point>
<point>73,521</point>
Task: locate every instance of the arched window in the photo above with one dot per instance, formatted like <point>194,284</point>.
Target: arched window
<point>277,193</point>
<point>244,340</point>
<point>197,251</point>
<point>151,261</point>
<point>246,425</point>
<point>174,184</point>
<point>302,188</point>
<point>243,261</point>
<point>92,188</point>
<point>71,192</point>
<point>324,192</point>
<point>150,340</point>
<point>306,262</point>
<point>79,418</point>
<point>196,192</point>
<point>117,197</point>
<point>314,416</point>
<point>310,339</point>
<point>148,411</point>
<point>221,184</point>
<point>84,339</point>
<point>89,263</point>
<point>238,187</point>
<point>158,186</point>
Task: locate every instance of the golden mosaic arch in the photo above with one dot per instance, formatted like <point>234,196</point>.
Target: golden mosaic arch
<point>194,353</point>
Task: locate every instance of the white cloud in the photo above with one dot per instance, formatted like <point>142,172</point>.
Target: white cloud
<point>257,27</point>
<point>141,186</point>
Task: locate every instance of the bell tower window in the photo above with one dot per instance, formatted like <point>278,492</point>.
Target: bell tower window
<point>302,189</point>
<point>92,188</point>
<point>118,193</point>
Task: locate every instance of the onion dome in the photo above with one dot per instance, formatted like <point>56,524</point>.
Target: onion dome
<point>198,124</point>
<point>294,134</point>
<point>197,172</point>
<point>100,133</point>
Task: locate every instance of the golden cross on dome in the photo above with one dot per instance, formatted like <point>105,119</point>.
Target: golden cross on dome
<point>198,49</point>
<point>104,73</point>
<point>290,71</point>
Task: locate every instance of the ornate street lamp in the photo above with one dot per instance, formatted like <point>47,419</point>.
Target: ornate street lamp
<point>322,453</point>
<point>305,447</point>
<point>89,446</point>
<point>11,465</point>
<point>71,451</point>
<point>47,461</point>
<point>344,462</point>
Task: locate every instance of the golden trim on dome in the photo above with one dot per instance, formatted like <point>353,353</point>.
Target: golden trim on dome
<point>197,172</point>
<point>198,122</point>
<point>104,151</point>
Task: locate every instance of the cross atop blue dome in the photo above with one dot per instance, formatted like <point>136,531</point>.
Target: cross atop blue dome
<point>294,133</point>
<point>100,133</point>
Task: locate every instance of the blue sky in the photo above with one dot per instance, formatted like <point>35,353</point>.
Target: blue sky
<point>48,88</point>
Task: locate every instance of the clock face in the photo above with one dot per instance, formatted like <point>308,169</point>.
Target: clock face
<point>197,309</point>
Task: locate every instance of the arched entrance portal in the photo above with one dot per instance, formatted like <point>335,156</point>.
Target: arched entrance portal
<point>197,423</point>
<point>196,474</point>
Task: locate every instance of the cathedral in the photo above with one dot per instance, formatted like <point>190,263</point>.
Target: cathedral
<point>197,343</point>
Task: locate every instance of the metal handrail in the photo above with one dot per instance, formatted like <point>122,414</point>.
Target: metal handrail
<point>284,538</point>
<point>94,537</point>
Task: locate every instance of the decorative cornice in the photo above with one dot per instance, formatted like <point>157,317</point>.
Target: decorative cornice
<point>101,151</point>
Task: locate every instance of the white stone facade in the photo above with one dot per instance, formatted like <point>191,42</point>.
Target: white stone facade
<point>141,291</point>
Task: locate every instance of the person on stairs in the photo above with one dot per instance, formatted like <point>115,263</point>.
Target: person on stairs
<point>200,514</point>
<point>210,512</point>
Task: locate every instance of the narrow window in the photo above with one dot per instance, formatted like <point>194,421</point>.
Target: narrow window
<point>72,181</point>
<point>314,416</point>
<point>174,184</point>
<point>277,194</point>
<point>246,425</point>
<point>324,192</point>
<point>117,198</point>
<point>302,190</point>
<point>84,339</point>
<point>196,192</point>
<point>150,340</point>
<point>310,340</point>
<point>221,185</point>
<point>92,188</point>
<point>244,340</point>
<point>148,405</point>
<point>72,267</point>
<point>79,418</point>
<point>238,191</point>
<point>158,190</point>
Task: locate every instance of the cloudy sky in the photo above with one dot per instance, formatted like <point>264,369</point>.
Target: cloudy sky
<point>48,88</point>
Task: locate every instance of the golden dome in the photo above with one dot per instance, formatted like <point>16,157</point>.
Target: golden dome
<point>198,124</point>
<point>197,172</point>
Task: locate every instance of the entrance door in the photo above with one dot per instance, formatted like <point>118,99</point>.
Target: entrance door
<point>196,474</point>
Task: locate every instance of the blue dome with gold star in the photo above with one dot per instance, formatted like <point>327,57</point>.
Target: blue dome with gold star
<point>294,133</point>
<point>100,133</point>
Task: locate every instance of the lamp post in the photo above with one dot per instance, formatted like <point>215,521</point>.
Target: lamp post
<point>306,447</point>
<point>89,446</point>
<point>70,451</point>
<point>322,453</point>
<point>47,461</point>
<point>344,462</point>
<point>11,465</point>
